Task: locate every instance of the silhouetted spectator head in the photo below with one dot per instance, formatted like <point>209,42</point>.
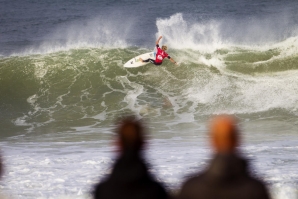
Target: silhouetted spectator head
<point>224,134</point>
<point>130,132</point>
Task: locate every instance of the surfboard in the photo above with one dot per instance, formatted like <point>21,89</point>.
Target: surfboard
<point>136,61</point>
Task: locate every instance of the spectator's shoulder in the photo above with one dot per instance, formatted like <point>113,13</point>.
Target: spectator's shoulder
<point>259,188</point>
<point>193,181</point>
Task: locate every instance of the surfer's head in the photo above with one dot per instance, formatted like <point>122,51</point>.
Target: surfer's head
<point>164,47</point>
<point>224,134</point>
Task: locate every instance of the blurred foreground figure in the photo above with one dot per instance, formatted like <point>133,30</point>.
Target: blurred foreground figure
<point>228,175</point>
<point>130,178</point>
<point>2,195</point>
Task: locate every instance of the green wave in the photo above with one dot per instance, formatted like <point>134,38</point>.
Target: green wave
<point>90,87</point>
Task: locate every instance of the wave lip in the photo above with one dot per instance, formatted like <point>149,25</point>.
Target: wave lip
<point>98,32</point>
<point>209,35</point>
<point>180,34</point>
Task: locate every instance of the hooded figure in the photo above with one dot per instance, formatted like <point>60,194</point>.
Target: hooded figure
<point>227,176</point>
<point>130,178</point>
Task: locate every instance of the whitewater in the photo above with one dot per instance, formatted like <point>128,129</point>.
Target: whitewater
<point>63,86</point>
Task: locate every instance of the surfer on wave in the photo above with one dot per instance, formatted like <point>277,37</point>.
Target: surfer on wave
<point>160,54</point>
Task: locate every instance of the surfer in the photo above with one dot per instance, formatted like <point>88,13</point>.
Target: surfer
<point>160,54</point>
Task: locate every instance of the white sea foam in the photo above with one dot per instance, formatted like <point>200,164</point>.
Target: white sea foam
<point>62,170</point>
<point>246,94</point>
<point>132,94</point>
<point>210,35</point>
<point>179,34</point>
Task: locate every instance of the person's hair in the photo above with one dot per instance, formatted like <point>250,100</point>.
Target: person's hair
<point>164,47</point>
<point>130,131</point>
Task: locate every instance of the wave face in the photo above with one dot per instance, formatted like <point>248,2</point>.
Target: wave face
<point>89,87</point>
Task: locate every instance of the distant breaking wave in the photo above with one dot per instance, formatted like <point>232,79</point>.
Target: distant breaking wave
<point>179,32</point>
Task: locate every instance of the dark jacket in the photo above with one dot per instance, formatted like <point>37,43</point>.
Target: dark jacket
<point>226,178</point>
<point>130,179</point>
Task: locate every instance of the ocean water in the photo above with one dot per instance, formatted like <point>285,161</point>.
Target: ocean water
<point>63,84</point>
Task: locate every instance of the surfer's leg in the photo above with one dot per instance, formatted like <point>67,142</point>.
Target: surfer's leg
<point>149,60</point>
<point>154,62</point>
<point>146,60</point>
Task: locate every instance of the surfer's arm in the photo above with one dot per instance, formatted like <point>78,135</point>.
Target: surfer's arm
<point>157,41</point>
<point>172,60</point>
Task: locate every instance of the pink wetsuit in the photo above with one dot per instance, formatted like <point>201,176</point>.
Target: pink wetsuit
<point>160,55</point>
